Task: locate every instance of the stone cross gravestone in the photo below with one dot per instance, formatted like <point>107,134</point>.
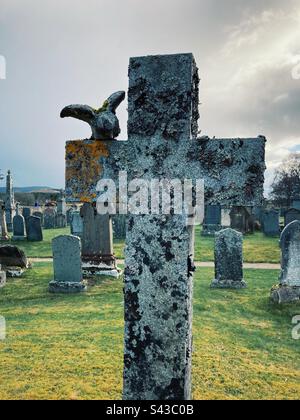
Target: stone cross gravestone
<point>3,227</point>
<point>291,215</point>
<point>289,283</point>
<point>163,144</point>
<point>212,220</point>
<point>229,260</point>
<point>97,244</point>
<point>67,265</point>
<point>34,229</point>
<point>19,228</point>
<point>271,226</point>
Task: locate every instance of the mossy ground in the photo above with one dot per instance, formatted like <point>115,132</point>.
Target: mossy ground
<point>257,248</point>
<point>70,347</point>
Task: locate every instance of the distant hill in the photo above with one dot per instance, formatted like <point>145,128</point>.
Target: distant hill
<point>31,189</point>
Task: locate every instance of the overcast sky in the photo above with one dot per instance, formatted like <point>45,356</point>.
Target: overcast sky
<point>60,52</point>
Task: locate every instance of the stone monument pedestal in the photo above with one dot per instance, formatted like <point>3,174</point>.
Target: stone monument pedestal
<point>228,284</point>
<point>67,287</point>
<point>105,265</point>
<point>285,294</point>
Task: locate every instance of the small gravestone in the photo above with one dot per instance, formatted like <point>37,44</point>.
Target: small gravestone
<point>19,228</point>
<point>291,215</point>
<point>61,206</point>
<point>26,212</point>
<point>34,230</point>
<point>228,260</point>
<point>242,220</point>
<point>212,220</point>
<point>76,224</point>
<point>49,221</point>
<point>288,290</point>
<point>271,226</point>
<point>225,218</point>
<point>40,215</point>
<point>2,277</point>
<point>61,221</point>
<point>296,204</point>
<point>67,265</point>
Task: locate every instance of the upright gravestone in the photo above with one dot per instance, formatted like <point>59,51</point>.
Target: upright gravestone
<point>26,212</point>
<point>61,221</point>
<point>291,215</point>
<point>271,226</point>
<point>212,220</point>
<point>76,224</point>
<point>34,229</point>
<point>40,215</point>
<point>2,277</point>
<point>18,228</point>
<point>241,220</point>
<point>288,290</point>
<point>67,265</point>
<point>225,218</point>
<point>3,227</point>
<point>50,219</point>
<point>229,260</point>
<point>162,127</point>
<point>97,244</point>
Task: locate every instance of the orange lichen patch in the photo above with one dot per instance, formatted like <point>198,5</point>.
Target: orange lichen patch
<point>84,168</point>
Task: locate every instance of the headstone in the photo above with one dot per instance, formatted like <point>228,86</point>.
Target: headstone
<point>242,220</point>
<point>9,202</point>
<point>271,225</point>
<point>97,244</point>
<point>162,127</point>
<point>49,221</point>
<point>296,204</point>
<point>288,290</point>
<point>76,224</point>
<point>119,226</point>
<point>34,233</point>
<point>13,260</point>
<point>61,206</point>
<point>212,220</point>
<point>3,227</point>
<point>67,265</point>
<point>2,278</point>
<point>229,260</point>
<point>18,228</point>
<point>291,215</point>
<point>225,218</point>
<point>61,221</point>
<point>26,212</point>
<point>40,215</point>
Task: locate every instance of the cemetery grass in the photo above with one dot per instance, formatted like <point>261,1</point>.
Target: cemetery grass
<point>71,346</point>
<point>257,248</point>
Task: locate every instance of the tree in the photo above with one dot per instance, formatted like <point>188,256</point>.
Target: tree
<point>286,184</point>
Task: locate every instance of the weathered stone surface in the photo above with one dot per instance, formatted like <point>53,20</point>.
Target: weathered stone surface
<point>49,221</point>
<point>163,113</point>
<point>103,122</point>
<point>271,225</point>
<point>26,211</point>
<point>19,228</point>
<point>34,229</point>
<point>289,282</point>
<point>67,265</point>
<point>229,260</point>
<point>40,215</point>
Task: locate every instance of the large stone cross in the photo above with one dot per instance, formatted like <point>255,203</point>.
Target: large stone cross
<point>162,144</point>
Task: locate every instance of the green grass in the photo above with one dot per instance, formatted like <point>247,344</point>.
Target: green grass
<point>257,248</point>
<point>70,347</point>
